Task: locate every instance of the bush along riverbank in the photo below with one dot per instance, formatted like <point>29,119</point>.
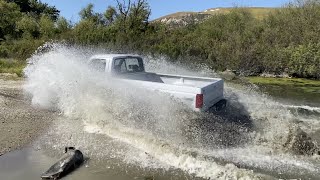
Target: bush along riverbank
<point>10,66</point>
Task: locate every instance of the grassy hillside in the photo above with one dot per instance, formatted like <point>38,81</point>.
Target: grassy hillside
<point>257,12</point>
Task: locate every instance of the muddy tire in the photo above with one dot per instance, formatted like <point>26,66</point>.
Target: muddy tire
<point>221,105</point>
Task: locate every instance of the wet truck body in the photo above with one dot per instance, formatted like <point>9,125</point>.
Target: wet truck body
<point>199,93</point>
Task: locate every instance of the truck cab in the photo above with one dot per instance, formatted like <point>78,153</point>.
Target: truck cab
<point>124,66</point>
<point>117,63</point>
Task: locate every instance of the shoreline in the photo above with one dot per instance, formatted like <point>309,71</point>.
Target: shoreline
<point>20,123</point>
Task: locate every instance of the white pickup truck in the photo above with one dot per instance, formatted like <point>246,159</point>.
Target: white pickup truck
<point>199,93</point>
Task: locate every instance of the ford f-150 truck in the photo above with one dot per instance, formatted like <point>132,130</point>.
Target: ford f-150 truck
<point>199,93</point>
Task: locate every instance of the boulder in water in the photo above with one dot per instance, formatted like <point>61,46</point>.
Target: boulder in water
<point>228,75</point>
<point>69,162</point>
<point>300,143</point>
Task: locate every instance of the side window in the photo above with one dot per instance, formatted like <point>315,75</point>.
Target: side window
<point>98,64</point>
<point>120,66</point>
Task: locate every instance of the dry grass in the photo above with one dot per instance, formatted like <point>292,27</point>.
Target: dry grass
<point>257,12</point>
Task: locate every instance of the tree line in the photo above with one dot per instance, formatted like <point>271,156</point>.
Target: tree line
<point>285,41</point>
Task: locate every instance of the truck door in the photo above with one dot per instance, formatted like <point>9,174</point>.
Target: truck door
<point>98,65</point>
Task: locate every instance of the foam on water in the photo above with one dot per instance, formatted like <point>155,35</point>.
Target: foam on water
<point>316,109</point>
<point>161,128</point>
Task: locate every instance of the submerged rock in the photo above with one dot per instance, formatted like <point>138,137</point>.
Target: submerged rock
<point>300,143</point>
<point>228,75</point>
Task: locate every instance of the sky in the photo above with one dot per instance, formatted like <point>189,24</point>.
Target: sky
<point>70,8</point>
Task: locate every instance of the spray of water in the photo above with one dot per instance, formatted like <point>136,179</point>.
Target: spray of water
<point>151,129</point>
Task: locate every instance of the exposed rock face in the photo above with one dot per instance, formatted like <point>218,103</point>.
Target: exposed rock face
<point>183,19</point>
<point>180,19</point>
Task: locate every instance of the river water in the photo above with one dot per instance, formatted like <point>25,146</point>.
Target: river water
<point>130,133</point>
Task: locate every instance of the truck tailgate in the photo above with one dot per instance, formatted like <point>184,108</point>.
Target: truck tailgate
<point>212,94</point>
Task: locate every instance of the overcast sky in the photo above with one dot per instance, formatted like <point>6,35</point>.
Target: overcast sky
<point>70,8</point>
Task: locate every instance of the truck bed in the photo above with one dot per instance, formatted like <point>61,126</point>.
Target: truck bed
<point>191,81</point>
<point>185,88</point>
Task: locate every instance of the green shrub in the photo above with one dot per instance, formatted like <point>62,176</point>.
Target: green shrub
<point>12,66</point>
<point>305,60</point>
<point>22,49</point>
<point>3,51</point>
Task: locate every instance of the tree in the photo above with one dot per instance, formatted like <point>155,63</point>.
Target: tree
<point>37,8</point>
<point>131,22</point>
<point>47,27</point>
<point>40,9</point>
<point>23,4</point>
<point>28,26</point>
<point>139,15</point>
<point>133,15</point>
<point>63,25</point>
<point>87,13</point>
<point>9,14</point>
<point>110,14</point>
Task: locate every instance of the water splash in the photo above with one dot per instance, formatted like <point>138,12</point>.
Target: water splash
<point>138,121</point>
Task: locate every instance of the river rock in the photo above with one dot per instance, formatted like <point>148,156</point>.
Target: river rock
<point>300,143</point>
<point>228,75</point>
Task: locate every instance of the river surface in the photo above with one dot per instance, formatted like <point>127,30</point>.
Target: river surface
<point>29,163</point>
<point>129,133</point>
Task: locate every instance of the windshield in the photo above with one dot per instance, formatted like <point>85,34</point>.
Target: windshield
<point>128,65</point>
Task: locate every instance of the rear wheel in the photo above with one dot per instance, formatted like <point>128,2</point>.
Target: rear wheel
<point>220,105</point>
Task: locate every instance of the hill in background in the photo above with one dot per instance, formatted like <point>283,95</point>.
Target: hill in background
<point>184,18</point>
